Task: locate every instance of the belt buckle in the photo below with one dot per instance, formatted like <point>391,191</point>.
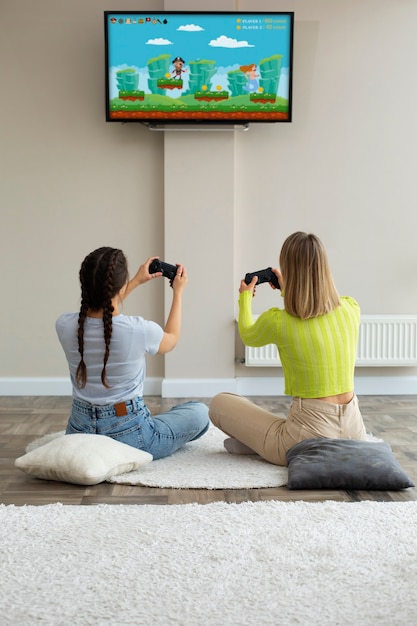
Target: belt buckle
<point>120,409</point>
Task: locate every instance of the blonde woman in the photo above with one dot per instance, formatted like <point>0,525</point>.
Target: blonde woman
<point>316,333</point>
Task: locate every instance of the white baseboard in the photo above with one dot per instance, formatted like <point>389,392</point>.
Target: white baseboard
<point>207,387</point>
<point>57,386</point>
<point>386,385</point>
<point>32,386</point>
<point>364,386</point>
<point>254,386</point>
<point>274,386</point>
<point>197,387</point>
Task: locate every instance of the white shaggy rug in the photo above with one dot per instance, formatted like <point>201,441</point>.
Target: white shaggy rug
<point>269,563</point>
<point>201,464</point>
<point>205,464</point>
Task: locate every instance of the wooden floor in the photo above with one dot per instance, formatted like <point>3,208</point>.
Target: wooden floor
<point>23,419</point>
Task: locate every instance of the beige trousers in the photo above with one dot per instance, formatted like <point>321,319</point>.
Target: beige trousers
<point>271,436</point>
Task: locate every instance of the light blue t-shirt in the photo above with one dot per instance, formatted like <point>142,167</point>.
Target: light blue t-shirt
<point>132,338</point>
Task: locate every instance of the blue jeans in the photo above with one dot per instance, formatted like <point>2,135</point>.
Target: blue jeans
<point>160,435</point>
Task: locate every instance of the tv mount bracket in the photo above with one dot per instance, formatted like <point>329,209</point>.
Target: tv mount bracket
<point>196,128</point>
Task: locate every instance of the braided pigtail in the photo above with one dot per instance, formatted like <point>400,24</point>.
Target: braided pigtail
<point>81,372</point>
<point>108,309</point>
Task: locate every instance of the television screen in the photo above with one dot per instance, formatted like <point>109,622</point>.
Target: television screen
<point>202,67</point>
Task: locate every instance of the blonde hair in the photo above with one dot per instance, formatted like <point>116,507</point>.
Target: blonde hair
<point>308,287</point>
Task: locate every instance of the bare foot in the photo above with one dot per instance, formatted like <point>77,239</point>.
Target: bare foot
<point>233,446</point>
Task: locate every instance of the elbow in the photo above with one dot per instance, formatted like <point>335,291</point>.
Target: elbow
<point>170,347</point>
<point>167,344</point>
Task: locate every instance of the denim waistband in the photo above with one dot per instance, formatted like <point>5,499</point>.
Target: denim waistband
<point>108,410</point>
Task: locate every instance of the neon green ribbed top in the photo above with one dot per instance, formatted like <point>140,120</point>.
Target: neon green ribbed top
<point>317,355</point>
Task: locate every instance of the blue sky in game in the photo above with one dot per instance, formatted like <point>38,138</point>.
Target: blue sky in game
<point>230,39</point>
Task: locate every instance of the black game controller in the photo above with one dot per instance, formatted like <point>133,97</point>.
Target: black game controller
<point>169,271</point>
<point>264,276</point>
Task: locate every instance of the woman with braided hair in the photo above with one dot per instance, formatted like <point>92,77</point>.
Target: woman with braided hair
<point>106,352</point>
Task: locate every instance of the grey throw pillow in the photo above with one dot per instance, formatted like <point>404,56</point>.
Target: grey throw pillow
<point>344,464</point>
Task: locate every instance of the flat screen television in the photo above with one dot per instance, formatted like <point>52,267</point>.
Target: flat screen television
<point>198,67</point>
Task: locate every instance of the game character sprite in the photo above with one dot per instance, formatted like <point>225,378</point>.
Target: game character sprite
<point>251,75</point>
<point>178,63</point>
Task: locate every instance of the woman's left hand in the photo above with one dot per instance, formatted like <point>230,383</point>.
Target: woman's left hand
<point>279,277</point>
<point>180,279</point>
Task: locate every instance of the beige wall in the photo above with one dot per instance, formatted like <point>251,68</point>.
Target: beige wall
<point>70,182</point>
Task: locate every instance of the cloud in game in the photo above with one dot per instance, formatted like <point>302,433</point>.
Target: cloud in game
<point>228,42</point>
<point>192,28</point>
<point>159,42</point>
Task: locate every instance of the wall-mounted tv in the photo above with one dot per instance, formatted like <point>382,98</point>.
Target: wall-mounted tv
<point>198,67</point>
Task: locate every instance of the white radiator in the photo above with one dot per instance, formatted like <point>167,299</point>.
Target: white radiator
<point>384,340</point>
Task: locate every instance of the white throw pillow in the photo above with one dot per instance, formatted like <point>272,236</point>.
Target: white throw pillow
<point>82,459</point>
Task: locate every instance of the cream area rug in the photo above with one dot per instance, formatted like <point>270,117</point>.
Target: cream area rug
<point>205,464</point>
<point>201,464</point>
<point>269,563</point>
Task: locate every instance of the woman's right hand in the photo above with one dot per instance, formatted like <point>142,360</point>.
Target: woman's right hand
<point>251,287</point>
